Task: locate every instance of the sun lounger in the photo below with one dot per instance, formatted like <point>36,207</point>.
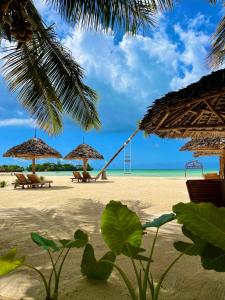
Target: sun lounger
<point>77,176</point>
<point>36,182</point>
<point>21,181</point>
<point>207,190</point>
<point>87,177</point>
<point>211,176</point>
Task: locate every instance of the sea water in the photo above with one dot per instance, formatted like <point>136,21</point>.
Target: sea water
<point>140,172</point>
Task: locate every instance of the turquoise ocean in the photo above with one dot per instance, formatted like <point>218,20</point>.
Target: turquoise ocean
<point>140,172</point>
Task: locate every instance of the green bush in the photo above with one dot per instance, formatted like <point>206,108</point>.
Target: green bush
<point>3,184</point>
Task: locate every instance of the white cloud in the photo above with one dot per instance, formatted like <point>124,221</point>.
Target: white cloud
<point>16,122</point>
<point>129,74</point>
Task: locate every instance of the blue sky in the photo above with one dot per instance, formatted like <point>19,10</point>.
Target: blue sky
<point>128,73</point>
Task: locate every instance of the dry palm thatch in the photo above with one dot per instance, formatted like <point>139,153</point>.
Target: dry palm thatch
<point>205,144</point>
<point>195,111</point>
<point>32,149</point>
<point>84,152</point>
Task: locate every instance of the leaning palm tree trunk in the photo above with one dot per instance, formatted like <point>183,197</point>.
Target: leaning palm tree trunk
<point>117,153</point>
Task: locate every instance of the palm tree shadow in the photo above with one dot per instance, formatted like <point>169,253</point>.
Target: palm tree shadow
<point>60,223</point>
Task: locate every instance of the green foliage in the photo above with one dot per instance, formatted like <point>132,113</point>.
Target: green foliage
<point>122,231</point>
<point>3,184</point>
<point>120,227</point>
<point>204,225</point>
<point>9,262</point>
<point>48,167</point>
<point>158,222</point>
<point>11,168</point>
<point>63,248</point>
<point>100,269</point>
<point>204,220</point>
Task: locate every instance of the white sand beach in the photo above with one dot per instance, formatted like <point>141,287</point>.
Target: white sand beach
<point>58,211</point>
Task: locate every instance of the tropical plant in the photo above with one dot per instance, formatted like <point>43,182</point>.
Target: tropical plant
<point>51,283</point>
<point>3,184</point>
<point>122,232</point>
<point>44,75</point>
<point>9,262</point>
<point>204,225</point>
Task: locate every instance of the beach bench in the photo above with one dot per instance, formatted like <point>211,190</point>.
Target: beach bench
<point>207,190</point>
<point>21,181</point>
<point>211,176</point>
<point>36,182</point>
<point>87,177</point>
<point>77,176</point>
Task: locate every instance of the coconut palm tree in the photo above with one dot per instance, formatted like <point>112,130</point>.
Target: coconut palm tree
<point>42,73</point>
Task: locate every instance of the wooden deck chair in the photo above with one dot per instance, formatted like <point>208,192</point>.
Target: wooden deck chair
<point>211,176</point>
<point>87,177</point>
<point>207,190</point>
<point>35,181</point>
<point>21,181</point>
<point>77,176</point>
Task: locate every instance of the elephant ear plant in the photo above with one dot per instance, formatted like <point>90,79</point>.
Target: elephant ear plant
<point>204,225</point>
<point>63,248</point>
<point>122,231</point>
<point>9,262</point>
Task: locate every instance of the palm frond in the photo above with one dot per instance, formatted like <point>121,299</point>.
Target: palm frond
<point>127,15</point>
<point>48,81</point>
<point>217,53</point>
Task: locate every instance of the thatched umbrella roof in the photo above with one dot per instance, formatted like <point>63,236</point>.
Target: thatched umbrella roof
<point>33,148</point>
<point>195,111</point>
<point>205,144</point>
<point>208,153</point>
<point>84,151</point>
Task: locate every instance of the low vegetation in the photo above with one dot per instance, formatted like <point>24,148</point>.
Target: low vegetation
<point>46,167</point>
<point>3,184</point>
<point>122,232</point>
<point>11,168</point>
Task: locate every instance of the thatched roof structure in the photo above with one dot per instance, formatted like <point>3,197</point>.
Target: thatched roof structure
<point>83,151</point>
<point>33,148</point>
<point>205,144</point>
<point>195,111</point>
<point>208,153</point>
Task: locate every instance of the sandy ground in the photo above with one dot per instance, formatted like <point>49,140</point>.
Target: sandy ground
<point>57,212</point>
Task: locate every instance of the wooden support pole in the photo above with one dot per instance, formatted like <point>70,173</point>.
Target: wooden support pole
<point>85,160</point>
<point>33,165</point>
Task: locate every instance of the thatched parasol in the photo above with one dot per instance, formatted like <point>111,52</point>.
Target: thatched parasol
<point>195,111</point>
<point>84,152</point>
<point>208,147</point>
<point>32,149</point>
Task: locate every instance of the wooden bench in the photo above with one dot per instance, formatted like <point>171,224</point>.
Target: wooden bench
<point>207,190</point>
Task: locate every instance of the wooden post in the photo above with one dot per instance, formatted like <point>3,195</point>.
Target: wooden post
<point>33,165</point>
<point>85,160</point>
<point>222,167</point>
<point>115,155</point>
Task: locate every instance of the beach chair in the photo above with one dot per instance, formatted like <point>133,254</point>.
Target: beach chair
<point>87,177</point>
<point>77,176</point>
<point>211,176</point>
<point>36,182</point>
<point>207,190</point>
<point>21,181</point>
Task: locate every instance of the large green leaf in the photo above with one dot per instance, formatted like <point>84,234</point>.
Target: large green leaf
<point>9,262</point>
<point>134,252</point>
<point>158,222</point>
<point>92,268</point>
<point>80,240</point>
<point>44,243</point>
<point>120,225</point>
<point>204,220</point>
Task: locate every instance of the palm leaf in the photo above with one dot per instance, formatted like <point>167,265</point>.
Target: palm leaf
<point>112,14</point>
<point>217,53</point>
<point>48,81</point>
